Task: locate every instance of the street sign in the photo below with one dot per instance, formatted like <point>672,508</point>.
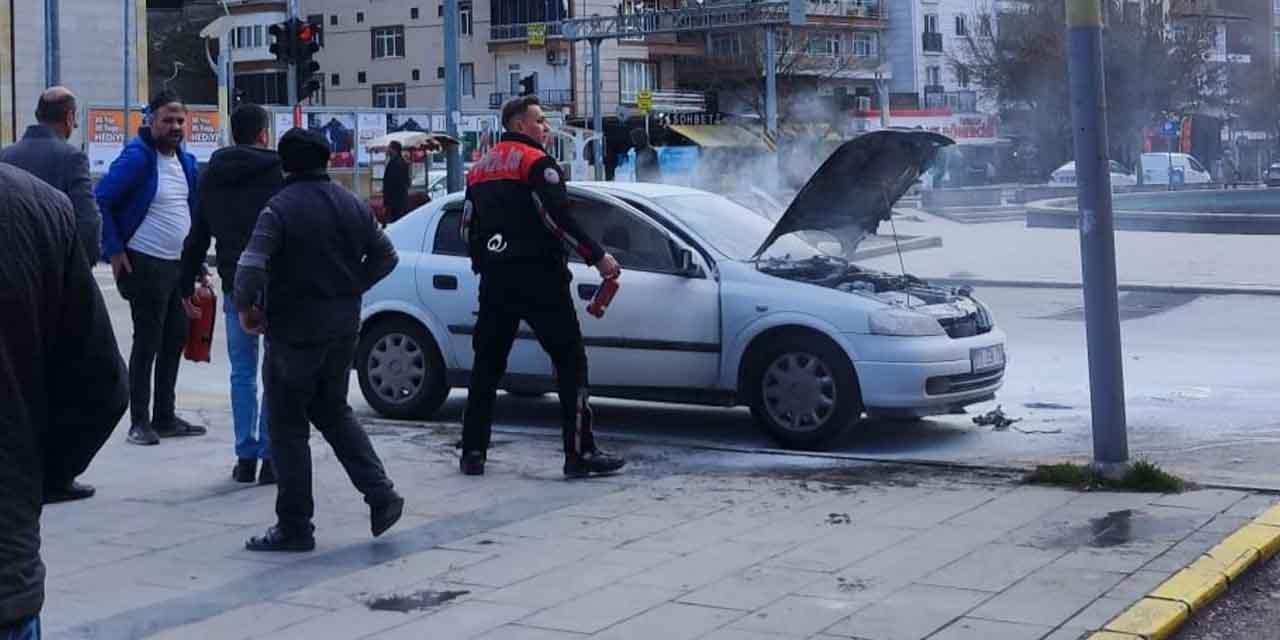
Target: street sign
<point>1170,128</point>
<point>644,101</point>
<point>537,34</point>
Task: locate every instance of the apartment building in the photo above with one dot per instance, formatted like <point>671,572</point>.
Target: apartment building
<point>924,36</point>
<point>92,66</point>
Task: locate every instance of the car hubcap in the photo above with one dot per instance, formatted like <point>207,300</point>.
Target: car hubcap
<point>799,392</point>
<point>397,368</point>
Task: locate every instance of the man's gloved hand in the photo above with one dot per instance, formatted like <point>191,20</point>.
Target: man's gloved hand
<point>608,266</point>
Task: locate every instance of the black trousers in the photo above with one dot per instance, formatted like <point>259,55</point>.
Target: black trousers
<point>539,295</point>
<point>307,384</point>
<point>159,335</point>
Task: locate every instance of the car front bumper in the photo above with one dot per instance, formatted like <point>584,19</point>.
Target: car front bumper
<point>924,376</point>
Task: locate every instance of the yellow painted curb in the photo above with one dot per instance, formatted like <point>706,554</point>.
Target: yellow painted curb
<point>1192,587</point>
<point>1270,518</point>
<point>1223,560</point>
<point>1151,619</point>
<point>1112,635</point>
<point>1262,538</point>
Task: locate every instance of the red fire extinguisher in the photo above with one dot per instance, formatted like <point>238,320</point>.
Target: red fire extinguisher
<point>604,295</point>
<point>200,330</point>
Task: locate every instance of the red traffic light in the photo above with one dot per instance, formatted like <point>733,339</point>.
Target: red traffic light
<point>305,33</point>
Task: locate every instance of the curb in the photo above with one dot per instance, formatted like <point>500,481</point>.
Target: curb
<point>1247,290</point>
<point>1163,611</point>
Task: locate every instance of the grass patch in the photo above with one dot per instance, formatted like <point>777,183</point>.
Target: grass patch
<point>1143,477</point>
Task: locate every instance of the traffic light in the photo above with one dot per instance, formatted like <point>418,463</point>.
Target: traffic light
<point>284,35</point>
<point>526,86</point>
<point>307,39</point>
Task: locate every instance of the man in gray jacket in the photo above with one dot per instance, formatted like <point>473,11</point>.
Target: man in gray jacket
<point>44,152</point>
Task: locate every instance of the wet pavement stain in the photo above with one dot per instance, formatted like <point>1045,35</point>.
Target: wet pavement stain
<point>1118,528</point>
<point>413,602</point>
<point>1048,406</point>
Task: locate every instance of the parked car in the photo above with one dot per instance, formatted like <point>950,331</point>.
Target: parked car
<point>718,305</point>
<point>1186,169</point>
<point>1065,176</point>
<point>1273,175</point>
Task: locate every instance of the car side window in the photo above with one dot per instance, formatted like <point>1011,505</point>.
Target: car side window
<point>635,242</point>
<point>448,240</point>
<point>1195,164</point>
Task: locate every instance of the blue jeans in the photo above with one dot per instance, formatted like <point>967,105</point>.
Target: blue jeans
<point>250,415</point>
<point>27,630</point>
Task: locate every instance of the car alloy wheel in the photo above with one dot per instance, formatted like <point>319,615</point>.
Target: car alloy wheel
<point>397,368</point>
<point>799,392</point>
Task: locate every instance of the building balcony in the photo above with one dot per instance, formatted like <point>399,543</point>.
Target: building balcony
<point>548,97</point>
<point>506,33</point>
<point>848,12</point>
<point>932,42</point>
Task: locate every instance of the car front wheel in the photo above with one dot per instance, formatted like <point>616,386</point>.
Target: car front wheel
<point>400,370</point>
<point>804,391</point>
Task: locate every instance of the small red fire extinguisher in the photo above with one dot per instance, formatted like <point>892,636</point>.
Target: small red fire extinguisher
<point>604,295</point>
<point>200,330</point>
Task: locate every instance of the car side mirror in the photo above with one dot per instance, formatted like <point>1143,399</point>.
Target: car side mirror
<point>685,264</point>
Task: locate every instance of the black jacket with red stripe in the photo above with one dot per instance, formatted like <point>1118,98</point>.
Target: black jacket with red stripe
<point>517,209</point>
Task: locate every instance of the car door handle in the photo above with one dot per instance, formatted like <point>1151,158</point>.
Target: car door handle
<point>588,291</point>
<point>447,283</point>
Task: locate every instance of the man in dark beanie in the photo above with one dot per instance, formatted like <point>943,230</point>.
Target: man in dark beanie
<point>314,252</point>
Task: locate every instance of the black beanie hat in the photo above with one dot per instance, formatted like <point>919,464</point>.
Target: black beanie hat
<point>304,150</point>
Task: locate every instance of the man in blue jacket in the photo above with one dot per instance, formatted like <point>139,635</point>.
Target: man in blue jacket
<point>146,200</point>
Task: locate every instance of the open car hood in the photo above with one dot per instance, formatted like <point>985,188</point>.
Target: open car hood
<point>858,185</point>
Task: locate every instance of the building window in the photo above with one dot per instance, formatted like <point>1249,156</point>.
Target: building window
<point>824,45</point>
<point>726,45</point>
<point>1275,43</point>
<point>962,77</point>
<point>413,13</point>
<point>417,75</point>
<point>962,25</point>
<point>388,96</point>
<point>359,17</point>
<point>335,80</point>
<point>866,44</point>
<point>361,78</point>
<point>933,75</point>
<point>464,18</point>
<point>931,23</point>
<point>387,42</point>
<point>635,76</point>
<point>632,7</point>
<point>247,37</point>
<point>467,78</point>
<point>263,88</point>
<point>333,20</point>
<point>440,10</point>
<point>439,73</point>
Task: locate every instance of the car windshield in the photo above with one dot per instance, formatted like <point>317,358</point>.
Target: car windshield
<point>731,228</point>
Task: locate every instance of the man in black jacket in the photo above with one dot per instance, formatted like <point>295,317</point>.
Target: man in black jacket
<point>233,189</point>
<point>63,384</point>
<point>395,184</point>
<point>517,227</point>
<point>315,250</point>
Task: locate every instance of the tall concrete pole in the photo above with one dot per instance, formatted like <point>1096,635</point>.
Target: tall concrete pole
<point>770,81</point>
<point>293,70</point>
<point>452,97</point>
<point>52,45</point>
<point>1097,236</point>
<point>597,113</point>
<point>128,78</point>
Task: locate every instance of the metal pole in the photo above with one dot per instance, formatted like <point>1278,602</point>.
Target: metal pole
<point>770,81</point>
<point>597,112</point>
<point>53,45</point>
<point>224,88</point>
<point>293,71</point>
<point>452,97</point>
<point>128,11</point>
<point>1097,236</point>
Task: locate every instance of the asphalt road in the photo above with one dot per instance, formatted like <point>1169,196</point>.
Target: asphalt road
<point>1249,611</point>
<point>1200,380</point>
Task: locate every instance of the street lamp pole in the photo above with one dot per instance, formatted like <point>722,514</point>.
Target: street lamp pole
<point>128,97</point>
<point>452,97</point>
<point>53,45</point>
<point>1097,237</point>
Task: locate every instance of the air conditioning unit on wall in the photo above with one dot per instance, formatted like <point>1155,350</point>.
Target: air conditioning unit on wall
<point>557,56</point>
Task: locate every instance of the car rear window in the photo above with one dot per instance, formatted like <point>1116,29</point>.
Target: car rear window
<point>448,240</point>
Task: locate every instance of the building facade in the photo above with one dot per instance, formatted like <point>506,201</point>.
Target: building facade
<point>93,67</point>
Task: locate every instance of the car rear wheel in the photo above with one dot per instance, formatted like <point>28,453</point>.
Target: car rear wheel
<point>400,370</point>
<point>804,391</point>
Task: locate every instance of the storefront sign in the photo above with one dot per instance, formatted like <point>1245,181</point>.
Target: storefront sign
<point>106,135</point>
<point>700,117</point>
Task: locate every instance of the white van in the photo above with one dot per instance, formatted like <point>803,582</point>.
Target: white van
<point>1154,169</point>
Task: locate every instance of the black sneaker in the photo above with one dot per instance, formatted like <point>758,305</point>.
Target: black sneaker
<point>384,517</point>
<point>245,470</point>
<point>143,434</point>
<point>472,463</point>
<point>268,473</point>
<point>592,462</point>
<point>72,491</point>
<point>276,540</point>
<point>178,428</point>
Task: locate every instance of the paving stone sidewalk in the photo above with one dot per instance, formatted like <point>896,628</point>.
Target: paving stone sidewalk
<point>688,544</point>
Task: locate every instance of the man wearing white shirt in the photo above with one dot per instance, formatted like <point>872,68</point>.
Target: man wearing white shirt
<point>146,200</point>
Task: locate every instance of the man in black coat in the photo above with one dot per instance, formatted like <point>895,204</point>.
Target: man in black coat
<point>647,167</point>
<point>63,384</point>
<point>44,152</point>
<point>233,189</point>
<point>395,183</point>
<point>314,252</point>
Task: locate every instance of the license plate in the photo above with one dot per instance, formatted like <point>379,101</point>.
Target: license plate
<point>987,358</point>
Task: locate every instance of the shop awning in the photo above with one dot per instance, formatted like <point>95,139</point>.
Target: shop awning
<point>719,135</point>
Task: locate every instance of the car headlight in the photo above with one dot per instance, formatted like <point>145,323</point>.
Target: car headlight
<point>902,322</point>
